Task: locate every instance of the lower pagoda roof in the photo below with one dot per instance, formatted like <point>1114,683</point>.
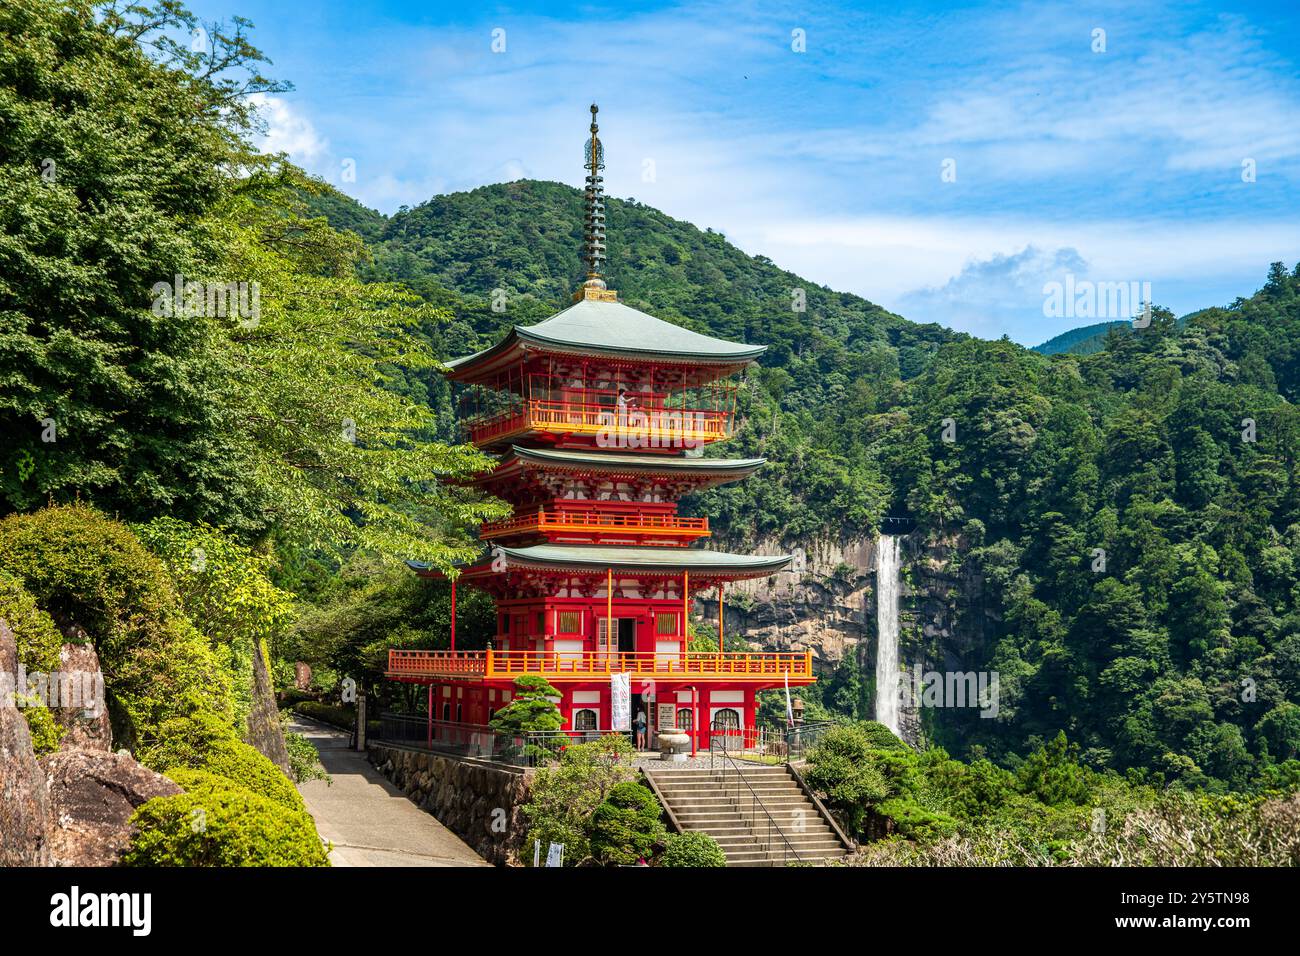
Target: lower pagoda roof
<point>661,464</point>
<point>653,560</point>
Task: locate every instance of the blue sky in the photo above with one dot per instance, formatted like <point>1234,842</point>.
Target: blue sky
<point>1122,165</point>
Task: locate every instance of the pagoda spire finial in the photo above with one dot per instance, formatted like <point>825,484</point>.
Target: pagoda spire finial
<point>594,220</point>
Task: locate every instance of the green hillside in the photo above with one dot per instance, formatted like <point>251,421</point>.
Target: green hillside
<point>1084,340</point>
<point>1136,449</point>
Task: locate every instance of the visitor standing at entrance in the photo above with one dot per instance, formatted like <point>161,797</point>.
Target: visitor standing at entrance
<point>640,730</point>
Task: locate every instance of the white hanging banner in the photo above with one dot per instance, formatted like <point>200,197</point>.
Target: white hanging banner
<point>620,701</point>
<point>555,854</point>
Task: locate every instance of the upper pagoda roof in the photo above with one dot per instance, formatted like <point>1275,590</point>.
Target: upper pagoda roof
<point>594,327</point>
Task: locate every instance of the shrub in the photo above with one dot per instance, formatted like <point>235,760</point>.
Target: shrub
<point>304,761</point>
<point>198,744</point>
<point>693,849</point>
<point>86,569</point>
<point>343,716</point>
<point>45,730</point>
<point>840,767</point>
<point>217,824</point>
<point>625,828</point>
<point>531,709</point>
<point>38,639</point>
<point>563,798</point>
<point>224,589</point>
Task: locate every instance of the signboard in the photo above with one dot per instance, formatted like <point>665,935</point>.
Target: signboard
<point>555,854</point>
<point>620,701</point>
<point>667,716</point>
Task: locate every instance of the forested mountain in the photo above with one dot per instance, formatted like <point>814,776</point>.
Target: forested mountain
<point>1170,455</point>
<point>1081,341</point>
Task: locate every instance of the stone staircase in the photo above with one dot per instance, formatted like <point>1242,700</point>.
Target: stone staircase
<point>699,800</point>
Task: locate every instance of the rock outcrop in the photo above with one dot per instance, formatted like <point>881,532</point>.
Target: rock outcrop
<point>479,802</point>
<point>82,710</point>
<point>24,808</point>
<point>91,798</point>
<point>264,732</point>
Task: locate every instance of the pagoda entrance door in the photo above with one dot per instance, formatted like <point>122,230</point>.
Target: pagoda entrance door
<point>626,635</point>
<point>620,639</point>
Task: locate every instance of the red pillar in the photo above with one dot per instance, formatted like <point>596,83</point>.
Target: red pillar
<point>430,716</point>
<point>453,614</point>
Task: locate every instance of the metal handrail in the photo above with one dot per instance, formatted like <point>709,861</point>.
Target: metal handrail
<point>755,803</point>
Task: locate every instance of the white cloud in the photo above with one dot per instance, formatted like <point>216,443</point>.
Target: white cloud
<point>288,131</point>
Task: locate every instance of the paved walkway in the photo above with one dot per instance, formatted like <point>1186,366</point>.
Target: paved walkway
<point>371,822</point>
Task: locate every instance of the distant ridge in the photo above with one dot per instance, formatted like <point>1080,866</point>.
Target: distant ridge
<point>1084,340</point>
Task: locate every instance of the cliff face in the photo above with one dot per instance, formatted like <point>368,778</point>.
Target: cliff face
<point>827,604</point>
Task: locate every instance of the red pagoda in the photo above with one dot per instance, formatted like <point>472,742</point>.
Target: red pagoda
<point>599,416</point>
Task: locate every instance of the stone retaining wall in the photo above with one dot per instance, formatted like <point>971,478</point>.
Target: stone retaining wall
<point>480,802</point>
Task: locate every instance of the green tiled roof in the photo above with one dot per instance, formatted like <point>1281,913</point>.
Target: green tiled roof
<point>637,462</point>
<point>611,327</point>
<point>667,559</point>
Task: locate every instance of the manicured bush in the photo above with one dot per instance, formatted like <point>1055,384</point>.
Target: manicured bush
<point>199,744</point>
<point>88,570</point>
<point>343,716</point>
<point>531,710</point>
<point>625,828</point>
<point>693,849</point>
<point>216,824</point>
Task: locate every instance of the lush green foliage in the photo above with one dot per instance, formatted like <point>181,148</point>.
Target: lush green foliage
<point>92,573</point>
<point>304,760</point>
<point>692,849</point>
<point>218,823</point>
<point>130,196</point>
<point>37,638</point>
<point>204,744</point>
<point>626,826</point>
<point>563,798</point>
<point>224,588</point>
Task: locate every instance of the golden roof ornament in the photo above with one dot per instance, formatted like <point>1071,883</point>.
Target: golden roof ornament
<point>593,231</point>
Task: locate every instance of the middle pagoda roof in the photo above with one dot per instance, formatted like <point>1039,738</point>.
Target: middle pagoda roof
<point>707,471</point>
<point>602,328</point>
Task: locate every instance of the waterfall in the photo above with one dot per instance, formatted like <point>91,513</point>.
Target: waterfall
<point>887,688</point>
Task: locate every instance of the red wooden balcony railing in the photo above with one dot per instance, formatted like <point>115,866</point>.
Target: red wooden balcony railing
<point>673,526</point>
<point>633,428</point>
<point>586,665</point>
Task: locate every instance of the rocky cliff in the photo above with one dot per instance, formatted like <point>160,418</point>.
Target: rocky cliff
<point>827,604</point>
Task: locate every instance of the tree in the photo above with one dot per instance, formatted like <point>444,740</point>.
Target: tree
<point>530,711</point>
